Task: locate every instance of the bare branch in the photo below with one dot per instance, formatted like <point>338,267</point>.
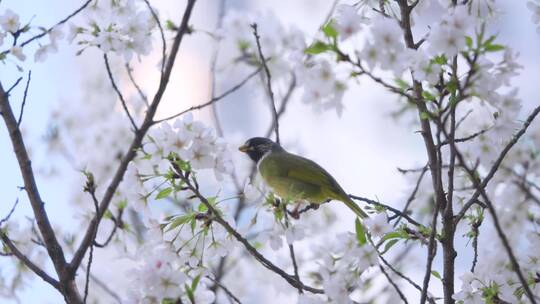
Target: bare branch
<point>162,35</point>
<point>6,218</point>
<point>432,251</point>
<point>26,261</point>
<point>52,245</point>
<point>24,98</point>
<point>227,291</point>
<point>413,195</point>
<point>268,81</point>
<point>398,290</point>
<point>213,100</point>
<point>117,90</point>
<point>13,86</point>
<point>137,87</point>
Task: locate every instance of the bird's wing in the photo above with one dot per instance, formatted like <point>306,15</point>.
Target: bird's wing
<point>300,171</point>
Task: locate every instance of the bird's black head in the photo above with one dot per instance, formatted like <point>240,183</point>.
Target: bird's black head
<point>257,147</point>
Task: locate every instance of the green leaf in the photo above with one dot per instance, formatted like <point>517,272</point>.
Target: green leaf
<point>360,232</point>
<point>202,207</point>
<point>424,115</point>
<point>440,60</point>
<point>468,41</point>
<point>428,96</point>
<point>329,30</point>
<point>398,234</point>
<point>402,84</point>
<point>494,47</point>
<point>436,274</point>
<point>180,221</point>
<point>317,47</point>
<point>389,245</point>
<point>164,193</point>
<point>195,282</point>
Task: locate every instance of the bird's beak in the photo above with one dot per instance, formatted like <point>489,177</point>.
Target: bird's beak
<point>243,148</point>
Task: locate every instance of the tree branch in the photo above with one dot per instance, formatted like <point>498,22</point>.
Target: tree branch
<point>88,238</point>
<point>26,261</point>
<point>212,100</point>
<point>24,98</point>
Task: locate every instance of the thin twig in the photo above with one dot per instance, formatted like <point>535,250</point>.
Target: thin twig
<point>137,87</point>
<point>398,290</point>
<point>212,100</point>
<point>412,196</point>
<point>394,210</point>
<point>496,164</point>
<point>225,289</point>
<point>268,81</point>
<point>13,86</point>
<point>117,90</point>
<point>24,98</point>
<point>6,218</point>
<point>432,251</point>
<point>162,35</point>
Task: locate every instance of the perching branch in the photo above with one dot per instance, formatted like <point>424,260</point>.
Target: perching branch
<point>252,250</point>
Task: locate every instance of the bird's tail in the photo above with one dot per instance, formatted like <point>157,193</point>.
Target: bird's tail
<point>354,207</point>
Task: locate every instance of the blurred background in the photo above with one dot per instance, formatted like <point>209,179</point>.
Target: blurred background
<point>362,149</point>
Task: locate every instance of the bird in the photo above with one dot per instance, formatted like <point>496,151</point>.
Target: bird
<point>293,177</point>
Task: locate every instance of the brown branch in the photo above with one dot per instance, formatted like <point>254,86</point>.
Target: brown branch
<point>268,81</point>
<point>54,250</point>
<point>117,90</point>
<point>212,100</point>
<point>88,238</point>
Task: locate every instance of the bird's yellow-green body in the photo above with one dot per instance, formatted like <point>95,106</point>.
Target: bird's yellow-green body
<point>295,178</point>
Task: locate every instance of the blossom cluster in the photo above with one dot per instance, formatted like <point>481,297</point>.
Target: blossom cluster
<point>120,26</point>
<point>343,262</point>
